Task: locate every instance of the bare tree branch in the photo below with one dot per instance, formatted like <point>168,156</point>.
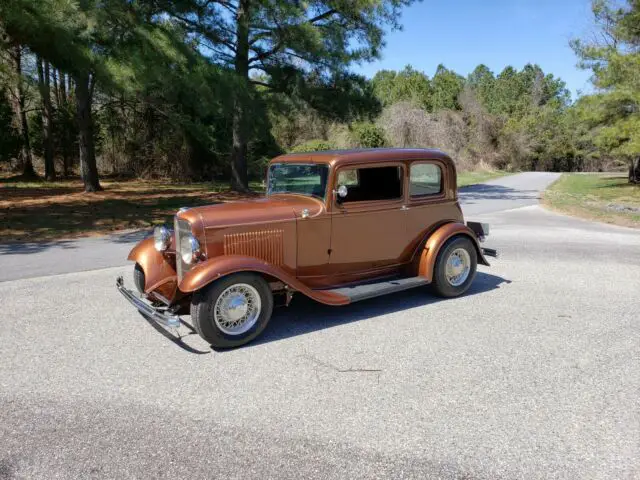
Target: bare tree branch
<point>322,16</point>
<point>264,55</point>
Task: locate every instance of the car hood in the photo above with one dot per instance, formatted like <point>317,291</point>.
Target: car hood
<point>266,209</point>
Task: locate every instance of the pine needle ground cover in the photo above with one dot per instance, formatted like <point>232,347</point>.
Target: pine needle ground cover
<point>31,211</point>
<point>38,210</point>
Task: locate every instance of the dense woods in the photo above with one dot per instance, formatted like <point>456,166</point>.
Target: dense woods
<point>203,89</point>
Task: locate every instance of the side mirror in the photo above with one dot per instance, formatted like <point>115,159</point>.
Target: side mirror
<point>341,193</point>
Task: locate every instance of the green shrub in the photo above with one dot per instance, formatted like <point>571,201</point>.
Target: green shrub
<point>368,135</point>
<point>313,146</point>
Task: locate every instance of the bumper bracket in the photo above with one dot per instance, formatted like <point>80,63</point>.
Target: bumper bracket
<point>148,310</point>
<point>490,252</point>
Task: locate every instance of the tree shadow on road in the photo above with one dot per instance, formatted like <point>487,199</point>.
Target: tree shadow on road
<point>494,192</point>
<point>34,247</point>
<point>131,236</point>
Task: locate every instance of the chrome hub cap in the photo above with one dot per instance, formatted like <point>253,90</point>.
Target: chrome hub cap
<point>458,267</point>
<point>237,309</point>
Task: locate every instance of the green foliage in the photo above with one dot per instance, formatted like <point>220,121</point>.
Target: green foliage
<point>516,93</point>
<point>368,135</point>
<point>407,85</point>
<point>482,82</point>
<point>313,146</point>
<point>446,87</point>
<point>341,97</point>
<point>613,113</point>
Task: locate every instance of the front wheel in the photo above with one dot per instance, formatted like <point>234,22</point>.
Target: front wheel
<point>138,278</point>
<point>455,267</point>
<point>232,311</point>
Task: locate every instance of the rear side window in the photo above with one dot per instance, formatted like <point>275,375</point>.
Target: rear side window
<point>426,179</point>
<point>370,184</point>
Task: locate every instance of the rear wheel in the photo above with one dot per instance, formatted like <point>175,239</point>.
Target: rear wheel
<point>232,311</point>
<point>138,278</point>
<point>455,267</point>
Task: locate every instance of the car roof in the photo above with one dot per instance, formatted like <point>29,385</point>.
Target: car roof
<point>366,155</point>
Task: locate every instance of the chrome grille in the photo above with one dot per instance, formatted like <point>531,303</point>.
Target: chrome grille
<point>182,228</point>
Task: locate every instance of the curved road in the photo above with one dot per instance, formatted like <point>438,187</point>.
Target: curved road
<point>533,374</point>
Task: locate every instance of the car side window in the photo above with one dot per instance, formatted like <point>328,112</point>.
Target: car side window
<point>348,177</point>
<point>371,184</point>
<point>425,179</point>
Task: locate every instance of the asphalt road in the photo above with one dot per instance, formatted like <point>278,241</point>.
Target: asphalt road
<point>533,374</point>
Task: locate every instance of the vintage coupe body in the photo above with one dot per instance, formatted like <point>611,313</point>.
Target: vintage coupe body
<point>336,226</point>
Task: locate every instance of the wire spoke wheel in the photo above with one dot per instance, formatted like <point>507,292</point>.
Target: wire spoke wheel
<point>458,267</point>
<point>237,309</point>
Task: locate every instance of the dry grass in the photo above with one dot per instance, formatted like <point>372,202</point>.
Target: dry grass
<point>605,198</point>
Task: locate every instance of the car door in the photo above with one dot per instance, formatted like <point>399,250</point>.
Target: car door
<point>368,229</point>
<point>428,203</point>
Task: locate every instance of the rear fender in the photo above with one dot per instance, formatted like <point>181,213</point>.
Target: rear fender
<point>210,270</point>
<point>435,242</point>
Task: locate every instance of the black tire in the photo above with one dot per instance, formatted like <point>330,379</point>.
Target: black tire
<point>203,303</point>
<point>138,278</point>
<point>441,285</point>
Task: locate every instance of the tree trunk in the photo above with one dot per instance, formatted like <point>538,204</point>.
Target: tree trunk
<point>56,89</point>
<point>20,116</point>
<point>239,178</point>
<point>88,168</point>
<point>66,139</point>
<point>634,171</point>
<point>47,118</point>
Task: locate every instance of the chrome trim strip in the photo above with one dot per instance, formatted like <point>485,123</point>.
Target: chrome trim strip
<point>171,321</point>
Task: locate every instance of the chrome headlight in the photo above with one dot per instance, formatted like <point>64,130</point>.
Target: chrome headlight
<point>189,249</point>
<point>161,238</point>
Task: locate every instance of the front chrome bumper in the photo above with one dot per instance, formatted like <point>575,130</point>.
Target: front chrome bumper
<point>159,315</point>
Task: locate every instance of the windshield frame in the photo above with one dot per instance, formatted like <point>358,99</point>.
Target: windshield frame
<point>299,164</point>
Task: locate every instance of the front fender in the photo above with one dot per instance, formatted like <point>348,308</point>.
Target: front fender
<point>157,268</point>
<point>210,270</point>
<point>435,242</point>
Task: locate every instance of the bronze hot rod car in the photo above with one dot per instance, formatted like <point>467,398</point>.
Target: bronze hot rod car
<point>336,226</point>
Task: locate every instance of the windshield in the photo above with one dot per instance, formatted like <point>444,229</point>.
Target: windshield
<point>304,179</point>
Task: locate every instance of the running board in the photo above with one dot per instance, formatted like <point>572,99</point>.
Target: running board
<point>371,290</point>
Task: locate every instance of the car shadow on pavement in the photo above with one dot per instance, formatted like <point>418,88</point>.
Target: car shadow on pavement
<point>175,337</point>
<point>305,316</point>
